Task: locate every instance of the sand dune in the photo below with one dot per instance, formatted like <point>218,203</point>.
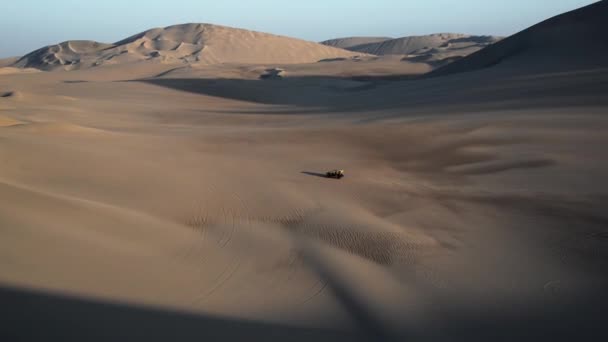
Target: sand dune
<point>571,40</point>
<point>435,49</point>
<point>188,43</point>
<point>187,200</point>
<point>421,44</point>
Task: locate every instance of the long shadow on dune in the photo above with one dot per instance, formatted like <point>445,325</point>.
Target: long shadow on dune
<point>313,92</point>
<point>487,90</point>
<point>36,316</point>
<point>28,315</point>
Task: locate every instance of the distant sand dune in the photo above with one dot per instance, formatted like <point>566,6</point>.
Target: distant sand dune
<point>437,49</point>
<point>188,43</point>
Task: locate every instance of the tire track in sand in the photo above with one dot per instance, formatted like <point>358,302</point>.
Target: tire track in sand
<point>227,273</point>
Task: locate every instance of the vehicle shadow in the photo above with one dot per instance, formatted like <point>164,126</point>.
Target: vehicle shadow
<point>318,174</point>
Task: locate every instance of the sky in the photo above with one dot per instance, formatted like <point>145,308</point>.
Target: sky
<point>31,24</point>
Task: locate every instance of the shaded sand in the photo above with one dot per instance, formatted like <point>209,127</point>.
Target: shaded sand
<point>364,68</point>
<point>348,42</point>
<point>577,39</point>
<point>416,45</point>
<point>150,201</point>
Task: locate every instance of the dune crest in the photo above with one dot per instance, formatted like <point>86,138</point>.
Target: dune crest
<point>575,39</point>
<point>186,44</point>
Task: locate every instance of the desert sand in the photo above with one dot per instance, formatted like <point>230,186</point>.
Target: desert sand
<point>171,198</point>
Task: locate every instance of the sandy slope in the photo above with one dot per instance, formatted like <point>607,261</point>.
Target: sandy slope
<point>187,43</point>
<point>576,38</point>
<point>150,201</point>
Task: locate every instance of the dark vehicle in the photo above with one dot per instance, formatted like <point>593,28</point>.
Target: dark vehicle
<point>335,174</point>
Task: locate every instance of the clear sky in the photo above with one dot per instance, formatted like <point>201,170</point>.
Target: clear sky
<point>26,25</point>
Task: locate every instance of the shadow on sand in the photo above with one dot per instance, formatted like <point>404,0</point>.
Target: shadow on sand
<point>38,316</point>
<point>29,315</point>
<point>310,91</point>
<point>470,92</point>
<point>318,174</point>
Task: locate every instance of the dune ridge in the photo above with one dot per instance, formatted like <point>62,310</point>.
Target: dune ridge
<point>433,48</point>
<point>186,43</point>
<point>576,39</point>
